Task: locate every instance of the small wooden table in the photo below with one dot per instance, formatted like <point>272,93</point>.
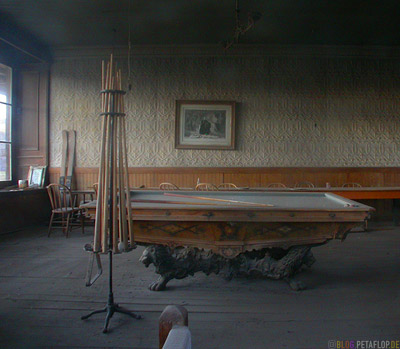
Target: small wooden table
<point>83,192</point>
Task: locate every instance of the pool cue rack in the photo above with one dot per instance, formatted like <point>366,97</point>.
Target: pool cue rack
<point>113,226</point>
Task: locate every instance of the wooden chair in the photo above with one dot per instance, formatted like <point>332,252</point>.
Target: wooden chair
<point>206,187</point>
<point>227,186</point>
<point>304,185</point>
<point>276,185</point>
<point>351,185</point>
<point>95,188</point>
<point>168,186</point>
<point>173,331</point>
<point>63,204</point>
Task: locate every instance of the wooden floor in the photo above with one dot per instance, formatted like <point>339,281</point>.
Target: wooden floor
<point>353,294</point>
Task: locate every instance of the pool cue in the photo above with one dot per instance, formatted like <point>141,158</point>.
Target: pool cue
<point>104,196</point>
<point>111,140</point>
<point>106,208</point>
<point>114,108</point>
<point>220,200</point>
<point>96,242</point>
<point>125,192</point>
<point>114,228</point>
<point>106,229</point>
<point>122,203</point>
<point>123,237</point>
<point>127,186</point>
<point>104,186</point>
<point>150,201</point>
<point>100,191</point>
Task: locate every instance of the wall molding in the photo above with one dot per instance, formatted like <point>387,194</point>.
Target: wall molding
<point>178,169</point>
<point>245,50</point>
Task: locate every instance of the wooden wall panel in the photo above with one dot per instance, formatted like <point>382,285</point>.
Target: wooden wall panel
<point>184,180</point>
<point>84,179</point>
<point>31,120</point>
<point>364,178</point>
<point>29,128</point>
<point>140,179</point>
<point>391,178</point>
<point>246,177</point>
<point>54,175</point>
<point>242,179</point>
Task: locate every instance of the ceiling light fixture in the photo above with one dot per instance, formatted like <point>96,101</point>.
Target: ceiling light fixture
<point>240,29</point>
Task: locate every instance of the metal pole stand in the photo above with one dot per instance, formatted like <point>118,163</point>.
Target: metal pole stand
<point>111,306</point>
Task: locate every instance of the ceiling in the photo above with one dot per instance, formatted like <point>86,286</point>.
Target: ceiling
<point>55,23</point>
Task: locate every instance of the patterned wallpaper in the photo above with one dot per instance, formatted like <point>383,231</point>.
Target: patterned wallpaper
<point>293,110</point>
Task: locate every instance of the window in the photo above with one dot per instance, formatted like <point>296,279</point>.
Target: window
<point>5,122</point>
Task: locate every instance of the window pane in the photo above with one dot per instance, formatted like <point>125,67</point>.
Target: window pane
<point>5,122</point>
<point>5,162</point>
<point>5,84</point>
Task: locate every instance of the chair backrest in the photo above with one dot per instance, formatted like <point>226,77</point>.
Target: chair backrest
<point>276,185</point>
<point>60,196</point>
<point>95,187</point>
<point>168,186</point>
<point>304,185</point>
<point>206,187</point>
<point>227,186</point>
<point>351,185</point>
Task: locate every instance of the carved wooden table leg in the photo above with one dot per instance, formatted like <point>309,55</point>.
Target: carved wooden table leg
<point>180,262</point>
<point>276,267</point>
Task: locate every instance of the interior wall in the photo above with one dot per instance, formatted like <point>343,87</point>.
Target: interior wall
<point>294,110</point>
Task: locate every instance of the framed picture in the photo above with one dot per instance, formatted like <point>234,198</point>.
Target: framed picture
<point>205,125</point>
<point>36,176</point>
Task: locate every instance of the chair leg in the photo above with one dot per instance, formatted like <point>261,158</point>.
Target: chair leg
<point>67,230</point>
<point>83,223</point>
<point>50,224</point>
<point>63,223</point>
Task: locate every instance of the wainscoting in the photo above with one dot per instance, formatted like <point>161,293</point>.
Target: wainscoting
<point>84,177</point>
<point>253,177</point>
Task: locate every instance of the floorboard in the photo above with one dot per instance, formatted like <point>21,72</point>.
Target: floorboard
<point>353,294</point>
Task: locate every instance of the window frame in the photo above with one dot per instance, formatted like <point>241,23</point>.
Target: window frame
<point>11,138</point>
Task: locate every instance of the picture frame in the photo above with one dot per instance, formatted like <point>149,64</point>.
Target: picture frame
<point>205,125</point>
<point>36,176</point>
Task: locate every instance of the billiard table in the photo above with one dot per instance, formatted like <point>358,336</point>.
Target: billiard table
<point>263,234</point>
